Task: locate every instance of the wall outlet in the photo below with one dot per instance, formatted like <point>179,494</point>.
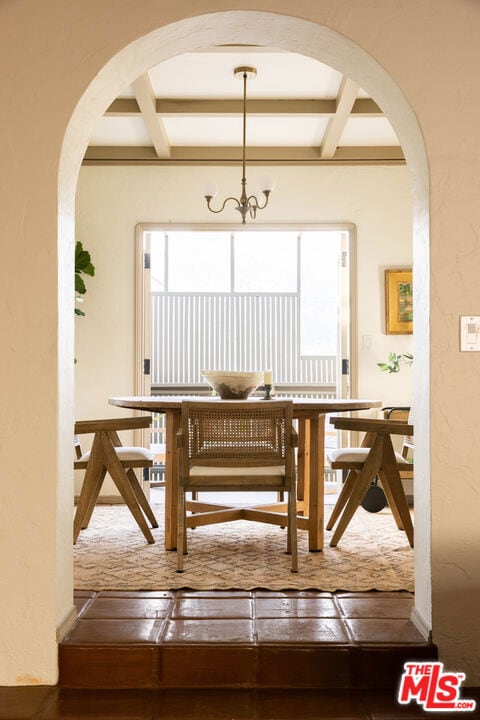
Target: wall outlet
<point>366,342</point>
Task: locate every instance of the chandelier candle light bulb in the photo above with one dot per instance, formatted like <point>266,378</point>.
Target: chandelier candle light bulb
<point>210,190</point>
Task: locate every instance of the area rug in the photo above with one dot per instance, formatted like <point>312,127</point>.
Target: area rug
<point>111,554</point>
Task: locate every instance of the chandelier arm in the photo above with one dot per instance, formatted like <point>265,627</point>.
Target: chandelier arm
<point>257,204</point>
<point>223,204</point>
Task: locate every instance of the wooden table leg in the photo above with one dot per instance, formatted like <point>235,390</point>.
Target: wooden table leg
<point>303,461</point>
<point>172,425</point>
<point>317,481</point>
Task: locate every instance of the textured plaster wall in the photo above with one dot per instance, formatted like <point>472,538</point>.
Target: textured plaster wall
<point>56,54</point>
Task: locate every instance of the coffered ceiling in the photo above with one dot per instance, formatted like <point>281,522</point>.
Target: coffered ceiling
<point>188,110</point>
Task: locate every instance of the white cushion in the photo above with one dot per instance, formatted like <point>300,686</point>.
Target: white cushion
<point>233,471</point>
<point>126,453</point>
<point>355,455</point>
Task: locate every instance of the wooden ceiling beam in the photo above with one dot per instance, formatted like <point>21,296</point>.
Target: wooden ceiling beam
<point>129,107</point>
<point>347,95</point>
<point>131,155</point>
<point>142,87</point>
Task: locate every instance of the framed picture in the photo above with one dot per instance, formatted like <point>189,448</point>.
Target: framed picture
<point>399,302</point>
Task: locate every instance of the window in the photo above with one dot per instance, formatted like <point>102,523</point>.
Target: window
<point>250,298</point>
<point>265,262</point>
<point>198,261</point>
<point>157,262</point>
<point>320,254</point>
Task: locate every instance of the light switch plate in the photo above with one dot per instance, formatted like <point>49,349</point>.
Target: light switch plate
<point>470,333</point>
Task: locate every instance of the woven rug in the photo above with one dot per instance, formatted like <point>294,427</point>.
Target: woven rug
<point>111,554</point>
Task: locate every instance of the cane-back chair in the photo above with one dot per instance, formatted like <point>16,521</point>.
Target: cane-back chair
<point>236,446</point>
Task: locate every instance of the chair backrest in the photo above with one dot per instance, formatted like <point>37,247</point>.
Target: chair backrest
<point>243,433</point>
<point>402,413</point>
<point>111,426</point>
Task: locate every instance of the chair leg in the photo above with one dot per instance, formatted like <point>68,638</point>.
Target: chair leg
<point>390,500</point>
<point>345,493</point>
<point>181,529</point>
<point>292,526</point>
<point>140,495</point>
<point>92,480</point>
<point>119,477</point>
<point>364,480</point>
<point>93,499</point>
<point>391,477</point>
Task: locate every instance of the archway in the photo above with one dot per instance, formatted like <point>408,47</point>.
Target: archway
<point>325,45</point>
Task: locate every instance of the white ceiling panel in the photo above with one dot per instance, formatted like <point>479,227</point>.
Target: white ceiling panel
<point>368,132</point>
<point>210,75</point>
<point>261,131</point>
<point>120,131</point>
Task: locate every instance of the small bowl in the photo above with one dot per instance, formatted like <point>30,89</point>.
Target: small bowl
<point>231,385</point>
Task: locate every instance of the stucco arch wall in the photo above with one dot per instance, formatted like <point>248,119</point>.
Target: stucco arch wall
<point>61,51</point>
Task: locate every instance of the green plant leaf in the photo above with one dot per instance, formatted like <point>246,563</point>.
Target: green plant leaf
<point>83,266</point>
<point>80,285</point>
<point>395,361</point>
<point>83,260</point>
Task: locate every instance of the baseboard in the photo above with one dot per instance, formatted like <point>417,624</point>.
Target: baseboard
<point>421,624</point>
<point>67,624</point>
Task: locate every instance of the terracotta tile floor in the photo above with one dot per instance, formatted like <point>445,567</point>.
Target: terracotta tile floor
<point>231,656</point>
<point>237,639</point>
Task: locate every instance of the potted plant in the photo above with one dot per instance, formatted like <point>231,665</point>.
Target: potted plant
<point>395,361</point>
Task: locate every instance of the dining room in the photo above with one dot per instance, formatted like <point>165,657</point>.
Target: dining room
<point>311,268</point>
<point>367,206</point>
<point>376,202</point>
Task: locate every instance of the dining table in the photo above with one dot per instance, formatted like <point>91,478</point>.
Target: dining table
<point>310,413</point>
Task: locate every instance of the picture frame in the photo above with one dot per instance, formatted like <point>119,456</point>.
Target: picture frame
<point>399,302</point>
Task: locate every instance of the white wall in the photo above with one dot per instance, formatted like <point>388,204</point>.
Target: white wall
<point>112,200</point>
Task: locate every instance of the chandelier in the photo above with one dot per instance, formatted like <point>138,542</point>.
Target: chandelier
<point>247,204</point>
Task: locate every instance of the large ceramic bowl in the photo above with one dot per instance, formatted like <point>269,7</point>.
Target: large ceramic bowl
<point>231,385</point>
